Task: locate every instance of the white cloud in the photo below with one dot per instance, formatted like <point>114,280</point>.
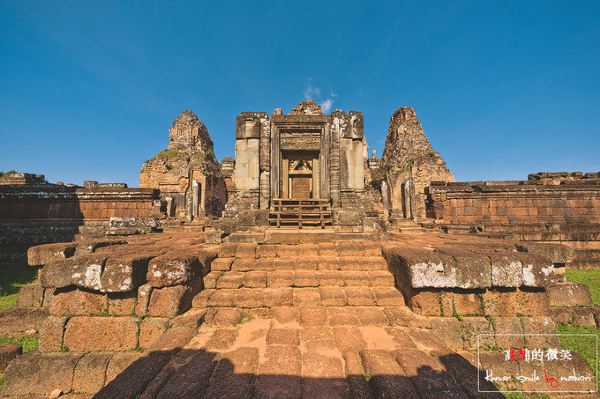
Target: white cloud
<point>326,105</point>
<point>311,92</point>
<point>314,92</point>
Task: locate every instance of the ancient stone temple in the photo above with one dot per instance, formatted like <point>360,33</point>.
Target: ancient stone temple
<point>187,172</point>
<point>301,268</point>
<point>301,169</point>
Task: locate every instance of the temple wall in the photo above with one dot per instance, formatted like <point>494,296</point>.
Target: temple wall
<point>555,209</point>
<point>38,214</point>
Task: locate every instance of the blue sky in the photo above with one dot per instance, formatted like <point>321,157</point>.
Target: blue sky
<point>88,90</point>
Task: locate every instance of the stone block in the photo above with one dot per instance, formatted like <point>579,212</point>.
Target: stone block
<point>333,296</point>
<point>427,303</point>
<point>569,294</point>
<point>250,297</point>
<point>506,271</point>
<point>122,304</point>
<point>77,302</point>
<point>381,278</point>
<point>255,279</point>
<point>151,329</point>
<point>167,301</point>
<point>266,251</point>
<point>115,334</point>
<point>230,280</point>
<point>143,299</point>
<point>40,255</point>
<point>359,296</point>
<point>283,336</point>
<point>227,250</point>
<point>38,374</point>
<point>246,251</point>
<point>327,249</point>
<point>388,296</point>
<point>171,269</point>
<point>30,296</point>
<point>280,278</point>
<point>90,373</point>
<point>7,353</point>
<point>305,279</point>
<point>306,297</point>
<point>221,264</point>
<point>51,334</point>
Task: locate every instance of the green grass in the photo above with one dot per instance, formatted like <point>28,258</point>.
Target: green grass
<point>585,347</point>
<point>589,277</point>
<point>514,395</point>
<point>1,384</point>
<point>28,343</point>
<point>11,281</point>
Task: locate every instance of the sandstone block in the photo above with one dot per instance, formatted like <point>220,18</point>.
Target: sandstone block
<point>256,279</point>
<point>40,255</point>
<point>569,294</point>
<point>171,269</point>
<point>77,302</point>
<point>333,296</point>
<point>506,271</point>
<point>90,373</point>
<point>151,329</point>
<point>306,297</point>
<point>30,296</point>
<point>143,299</point>
<point>330,278</point>
<point>7,353</point>
<point>266,251</point>
<point>167,301</point>
<point>388,296</point>
<point>51,334</point>
<point>210,280</point>
<point>305,279</point>
<point>246,250</point>
<point>230,280</point>
<point>381,278</point>
<point>221,264</point>
<point>116,334</point>
<point>122,304</point>
<point>287,251</point>
<point>39,374</point>
<point>250,298</point>
<point>227,250</point>
<point>358,296</point>
<point>279,297</point>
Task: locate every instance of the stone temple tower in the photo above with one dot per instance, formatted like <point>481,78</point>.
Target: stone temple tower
<point>187,173</point>
<point>410,164</point>
<point>299,160</point>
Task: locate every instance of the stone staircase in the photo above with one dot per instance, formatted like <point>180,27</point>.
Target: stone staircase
<point>299,213</point>
<point>343,283</point>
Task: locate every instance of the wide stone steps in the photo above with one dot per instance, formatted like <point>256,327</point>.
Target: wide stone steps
<point>301,262</point>
<point>309,296</point>
<point>297,278</point>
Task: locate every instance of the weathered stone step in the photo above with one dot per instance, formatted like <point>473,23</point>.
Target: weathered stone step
<point>313,316</point>
<point>340,248</point>
<point>321,296</point>
<point>301,262</point>
<point>297,278</point>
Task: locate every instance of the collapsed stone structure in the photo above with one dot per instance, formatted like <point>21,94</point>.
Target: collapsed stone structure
<point>301,268</point>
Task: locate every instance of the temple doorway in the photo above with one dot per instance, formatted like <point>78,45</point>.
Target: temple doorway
<point>300,178</point>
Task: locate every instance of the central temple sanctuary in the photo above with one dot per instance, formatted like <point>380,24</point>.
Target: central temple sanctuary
<point>303,169</point>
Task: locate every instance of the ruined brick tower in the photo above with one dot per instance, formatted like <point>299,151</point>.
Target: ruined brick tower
<point>410,164</point>
<point>187,173</point>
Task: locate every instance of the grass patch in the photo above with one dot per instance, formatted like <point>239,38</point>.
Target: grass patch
<point>246,317</point>
<point>28,343</point>
<point>516,395</point>
<point>589,277</point>
<point>580,344</point>
<point>1,383</point>
<point>11,281</point>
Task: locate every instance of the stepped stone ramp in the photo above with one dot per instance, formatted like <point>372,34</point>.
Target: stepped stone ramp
<point>303,320</point>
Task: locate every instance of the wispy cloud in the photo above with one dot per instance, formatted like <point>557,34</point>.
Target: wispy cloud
<point>311,91</point>
<point>326,105</point>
